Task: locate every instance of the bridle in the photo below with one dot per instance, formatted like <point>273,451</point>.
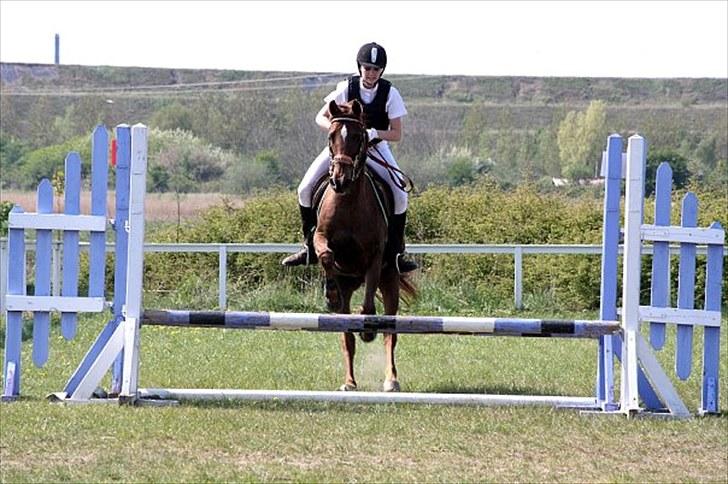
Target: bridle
<point>344,159</point>
<point>399,178</point>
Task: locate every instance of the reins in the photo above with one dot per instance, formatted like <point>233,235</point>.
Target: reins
<point>399,178</point>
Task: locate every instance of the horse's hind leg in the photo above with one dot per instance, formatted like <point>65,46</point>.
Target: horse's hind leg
<point>390,298</point>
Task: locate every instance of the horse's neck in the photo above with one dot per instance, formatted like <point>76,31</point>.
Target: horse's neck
<point>359,196</point>
<point>357,191</point>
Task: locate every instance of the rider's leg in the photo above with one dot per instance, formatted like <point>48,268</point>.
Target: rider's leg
<point>308,214</point>
<point>396,245</point>
<point>395,253</point>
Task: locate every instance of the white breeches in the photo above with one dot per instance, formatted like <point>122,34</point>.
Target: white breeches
<point>320,167</point>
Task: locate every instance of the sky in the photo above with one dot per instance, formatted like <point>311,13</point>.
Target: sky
<point>654,39</point>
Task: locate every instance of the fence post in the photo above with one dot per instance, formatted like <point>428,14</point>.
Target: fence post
<point>518,276</point>
<point>222,277</point>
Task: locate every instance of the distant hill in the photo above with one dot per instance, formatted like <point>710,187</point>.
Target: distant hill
<point>29,78</point>
<point>510,120</point>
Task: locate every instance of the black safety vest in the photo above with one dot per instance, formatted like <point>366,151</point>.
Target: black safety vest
<point>375,113</point>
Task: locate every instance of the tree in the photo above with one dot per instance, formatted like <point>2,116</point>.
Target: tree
<point>11,153</point>
<point>173,116</point>
<point>581,138</point>
<point>679,165</point>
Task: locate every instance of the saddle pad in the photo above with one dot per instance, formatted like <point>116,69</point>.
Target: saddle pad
<point>383,191</point>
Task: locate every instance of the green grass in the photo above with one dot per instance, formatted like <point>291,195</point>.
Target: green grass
<point>324,442</point>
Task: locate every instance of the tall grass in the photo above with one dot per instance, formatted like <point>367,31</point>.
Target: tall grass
<point>158,207</point>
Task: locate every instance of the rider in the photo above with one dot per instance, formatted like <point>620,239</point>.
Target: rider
<point>383,112</point>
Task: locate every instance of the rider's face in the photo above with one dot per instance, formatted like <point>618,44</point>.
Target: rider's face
<point>370,75</point>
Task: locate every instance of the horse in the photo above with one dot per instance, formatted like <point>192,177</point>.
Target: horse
<point>351,236</point>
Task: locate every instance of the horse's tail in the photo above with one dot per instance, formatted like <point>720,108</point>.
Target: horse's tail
<point>407,288</point>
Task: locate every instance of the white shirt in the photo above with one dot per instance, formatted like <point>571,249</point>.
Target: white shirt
<point>395,103</point>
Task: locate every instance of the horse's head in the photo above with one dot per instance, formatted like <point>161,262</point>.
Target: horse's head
<point>347,144</point>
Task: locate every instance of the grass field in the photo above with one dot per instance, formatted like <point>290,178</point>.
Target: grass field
<point>320,442</point>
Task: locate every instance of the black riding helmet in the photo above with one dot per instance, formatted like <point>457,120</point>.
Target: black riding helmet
<point>371,54</point>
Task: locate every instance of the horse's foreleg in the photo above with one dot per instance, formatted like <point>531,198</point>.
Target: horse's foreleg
<point>323,251</point>
<point>348,347</point>
<point>390,298</point>
<point>348,341</point>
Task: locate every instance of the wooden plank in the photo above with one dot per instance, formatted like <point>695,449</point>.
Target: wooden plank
<point>135,261</point>
<point>14,326</point>
<point>695,235</point>
<point>660,381</point>
<point>686,290</point>
<point>123,154</point>
<point>610,250</point>
<point>634,202</point>
<point>711,336</point>
<point>64,304</point>
<point>43,253</point>
<point>91,378</point>
<point>57,221</point>
<point>660,291</point>
<point>72,191</point>
<point>692,317</point>
<point>99,185</point>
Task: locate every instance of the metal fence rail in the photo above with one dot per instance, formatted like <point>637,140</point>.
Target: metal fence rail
<point>516,250</point>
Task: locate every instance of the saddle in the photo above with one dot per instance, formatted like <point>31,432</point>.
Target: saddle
<point>382,189</point>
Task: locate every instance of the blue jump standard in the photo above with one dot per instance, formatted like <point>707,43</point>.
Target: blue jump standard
<point>571,328</point>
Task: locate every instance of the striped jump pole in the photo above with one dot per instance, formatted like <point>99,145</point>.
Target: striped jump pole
<point>570,328</point>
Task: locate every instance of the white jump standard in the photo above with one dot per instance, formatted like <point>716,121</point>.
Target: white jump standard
<point>645,387</point>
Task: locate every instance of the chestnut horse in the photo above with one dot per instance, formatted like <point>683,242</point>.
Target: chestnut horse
<point>351,236</point>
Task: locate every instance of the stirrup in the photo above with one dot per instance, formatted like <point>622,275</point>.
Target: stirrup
<point>404,264</point>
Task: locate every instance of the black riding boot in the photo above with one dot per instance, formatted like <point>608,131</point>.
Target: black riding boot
<point>395,248</point>
<point>307,255</point>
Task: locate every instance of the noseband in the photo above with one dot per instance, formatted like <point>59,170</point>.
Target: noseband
<point>344,159</point>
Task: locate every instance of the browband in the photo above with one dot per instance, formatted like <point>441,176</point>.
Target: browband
<point>341,119</point>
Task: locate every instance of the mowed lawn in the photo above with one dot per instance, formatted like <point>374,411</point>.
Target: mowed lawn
<point>320,442</point>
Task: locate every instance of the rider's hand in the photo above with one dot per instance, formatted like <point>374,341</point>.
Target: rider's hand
<point>372,133</point>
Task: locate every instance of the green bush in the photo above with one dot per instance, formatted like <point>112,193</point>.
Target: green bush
<point>46,162</point>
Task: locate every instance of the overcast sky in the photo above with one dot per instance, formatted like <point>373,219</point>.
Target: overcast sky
<point>595,39</point>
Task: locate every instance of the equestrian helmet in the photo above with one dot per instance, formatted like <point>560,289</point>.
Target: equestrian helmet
<point>372,54</point>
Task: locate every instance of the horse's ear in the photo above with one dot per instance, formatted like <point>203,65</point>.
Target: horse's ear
<point>334,110</point>
<point>356,108</point>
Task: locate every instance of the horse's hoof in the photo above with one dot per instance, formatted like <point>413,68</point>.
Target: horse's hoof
<point>347,387</point>
<point>391,386</point>
<point>368,336</point>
